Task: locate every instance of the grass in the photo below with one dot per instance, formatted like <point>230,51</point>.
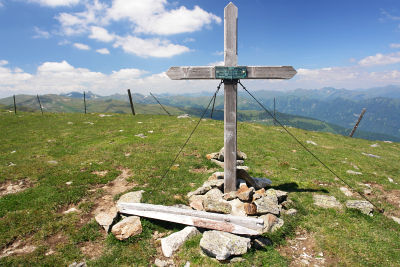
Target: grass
<point>82,144</point>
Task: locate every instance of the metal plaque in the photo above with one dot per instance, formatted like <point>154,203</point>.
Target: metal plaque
<point>230,73</point>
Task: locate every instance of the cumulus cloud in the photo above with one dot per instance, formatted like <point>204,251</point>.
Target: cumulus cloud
<point>394,45</point>
<point>41,33</point>
<point>100,34</point>
<point>103,51</point>
<point>81,46</point>
<point>55,3</point>
<point>380,59</point>
<point>149,47</point>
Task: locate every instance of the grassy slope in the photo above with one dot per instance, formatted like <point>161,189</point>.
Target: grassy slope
<point>34,215</point>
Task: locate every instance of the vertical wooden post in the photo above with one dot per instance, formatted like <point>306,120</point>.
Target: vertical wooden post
<point>40,105</point>
<point>130,100</point>
<point>15,106</point>
<point>84,100</point>
<point>358,122</point>
<point>274,113</point>
<point>230,98</point>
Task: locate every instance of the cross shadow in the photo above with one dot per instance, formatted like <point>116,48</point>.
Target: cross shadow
<point>294,187</point>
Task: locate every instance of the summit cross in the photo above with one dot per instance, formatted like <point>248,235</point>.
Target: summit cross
<point>230,73</point>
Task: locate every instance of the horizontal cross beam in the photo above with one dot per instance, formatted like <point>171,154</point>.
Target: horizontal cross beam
<point>208,72</point>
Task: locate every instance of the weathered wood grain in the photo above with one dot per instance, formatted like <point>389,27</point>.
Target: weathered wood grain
<point>221,222</point>
<point>230,35</point>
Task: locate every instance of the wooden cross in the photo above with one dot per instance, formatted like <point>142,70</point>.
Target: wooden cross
<point>230,74</point>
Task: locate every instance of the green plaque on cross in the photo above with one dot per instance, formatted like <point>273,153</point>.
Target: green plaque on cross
<point>230,73</point>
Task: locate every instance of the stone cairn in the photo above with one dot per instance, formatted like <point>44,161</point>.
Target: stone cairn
<point>254,200</point>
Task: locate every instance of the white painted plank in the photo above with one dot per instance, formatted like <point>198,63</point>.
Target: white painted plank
<point>208,72</point>
<point>222,222</point>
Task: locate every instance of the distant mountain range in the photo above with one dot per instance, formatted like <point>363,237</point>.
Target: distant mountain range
<point>327,109</point>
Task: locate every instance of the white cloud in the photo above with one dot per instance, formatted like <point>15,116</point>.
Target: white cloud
<point>55,3</point>
<point>103,51</point>
<point>41,33</point>
<point>395,45</point>
<point>149,47</point>
<point>380,59</point>
<point>81,46</point>
<point>3,62</point>
<point>189,40</point>
<point>100,34</point>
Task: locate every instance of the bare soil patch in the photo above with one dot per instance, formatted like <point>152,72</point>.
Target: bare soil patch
<point>17,248</point>
<point>12,187</point>
<point>390,196</point>
<point>100,173</point>
<point>303,251</point>
<point>92,250</point>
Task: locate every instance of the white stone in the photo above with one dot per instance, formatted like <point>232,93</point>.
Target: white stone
<point>129,226</point>
<point>311,142</point>
<point>131,197</point>
<point>346,191</point>
<point>353,172</point>
<point>173,242</point>
<point>396,219</point>
<point>106,218</point>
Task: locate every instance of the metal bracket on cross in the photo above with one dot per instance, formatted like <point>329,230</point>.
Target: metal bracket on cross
<point>230,73</point>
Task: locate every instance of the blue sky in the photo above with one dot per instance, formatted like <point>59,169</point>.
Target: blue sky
<point>53,46</point>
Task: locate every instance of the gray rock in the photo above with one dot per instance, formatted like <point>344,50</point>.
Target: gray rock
<point>261,242</point>
<point>229,196</point>
<point>199,191</point>
<point>219,163</point>
<point>53,162</point>
<point>214,193</point>
<point>239,162</point>
<point>131,197</point>
<point>129,226</point>
<point>162,263</point>
<point>291,212</point>
<point>196,202</point>
<point>371,155</point>
<point>353,172</point>
<point>280,195</point>
<point>183,116</point>
<point>173,242</point>
<point>396,219</point>
<point>241,155</point>
<point>106,218</point>
<point>222,245</point>
<point>362,205</point>
<point>346,191</point>
<point>218,183</point>
<point>267,204</point>
<point>216,175</point>
<point>325,201</point>
<point>236,260</point>
<point>219,206</point>
<point>245,194</point>
<point>80,264</point>
<point>242,168</point>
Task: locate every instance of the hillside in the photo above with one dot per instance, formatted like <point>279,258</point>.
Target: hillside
<point>178,105</point>
<point>67,160</point>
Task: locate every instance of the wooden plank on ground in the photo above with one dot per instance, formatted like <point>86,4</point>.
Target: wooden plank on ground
<point>222,222</point>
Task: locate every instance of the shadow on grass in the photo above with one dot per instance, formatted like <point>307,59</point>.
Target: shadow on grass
<point>294,187</point>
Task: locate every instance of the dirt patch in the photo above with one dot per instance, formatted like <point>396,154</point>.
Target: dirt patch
<point>92,250</point>
<point>100,173</point>
<point>390,196</point>
<point>12,187</point>
<point>17,248</point>
<point>119,185</point>
<point>303,251</point>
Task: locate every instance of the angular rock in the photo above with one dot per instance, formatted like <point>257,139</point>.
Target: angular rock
<point>130,226</point>
<point>196,202</point>
<point>241,155</point>
<point>245,194</point>
<point>219,163</point>
<point>250,208</point>
<point>237,207</point>
<point>222,245</point>
<point>271,223</point>
<point>212,155</point>
<point>239,162</point>
<point>229,196</point>
<point>245,168</point>
<point>199,191</point>
<point>162,263</point>
<point>261,242</point>
<point>291,212</point>
<point>106,218</point>
<point>258,194</point>
<point>216,176</point>
<point>396,219</point>
<point>131,197</point>
<point>219,206</point>
<point>353,172</point>
<point>362,205</point>
<point>346,191</point>
<point>267,204</point>
<point>173,242</point>
<point>76,264</point>
<point>218,183</point>
<point>280,195</point>
<point>214,194</point>
<point>325,201</point>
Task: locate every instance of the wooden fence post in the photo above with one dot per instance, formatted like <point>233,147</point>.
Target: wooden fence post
<point>84,100</point>
<point>359,119</point>
<point>15,106</point>
<point>40,104</point>
<point>130,100</point>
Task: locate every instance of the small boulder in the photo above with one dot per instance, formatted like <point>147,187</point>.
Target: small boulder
<point>237,207</point>
<point>353,172</point>
<point>199,191</point>
<point>267,204</point>
<point>280,195</point>
<point>396,219</point>
<point>219,163</point>
<point>214,193</point>
<point>229,196</point>
<point>222,245</point>
<point>218,183</point>
<point>216,176</point>
<point>129,226</point>
<point>346,191</point>
<point>162,263</point>
<point>173,242</point>
<point>261,182</point>
<point>131,197</point>
<point>245,194</point>
<point>241,155</point>
<point>196,202</point>
<point>271,223</point>
<point>212,156</point>
<point>291,212</point>
<point>219,206</point>
<point>250,208</point>
<point>106,217</point>
<point>362,205</point>
<point>325,201</point>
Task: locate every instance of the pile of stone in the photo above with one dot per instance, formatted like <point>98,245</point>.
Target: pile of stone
<point>218,158</point>
<point>253,199</point>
